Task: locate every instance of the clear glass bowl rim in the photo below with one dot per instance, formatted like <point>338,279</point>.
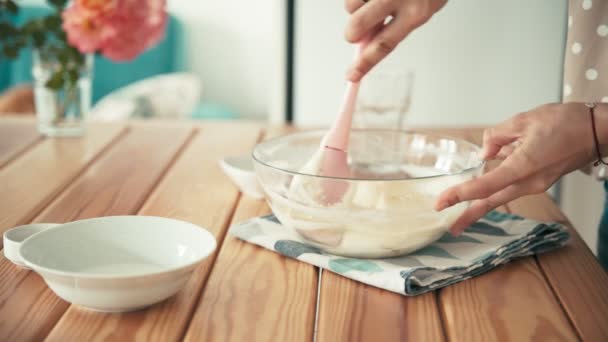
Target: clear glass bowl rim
<point>321,133</point>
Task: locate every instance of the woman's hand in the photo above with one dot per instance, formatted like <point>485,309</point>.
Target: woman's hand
<point>368,19</point>
<point>538,147</point>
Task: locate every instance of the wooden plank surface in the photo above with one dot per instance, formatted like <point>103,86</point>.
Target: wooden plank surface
<point>577,278</point>
<point>510,303</point>
<point>489,301</point>
<point>352,311</point>
<point>248,294</point>
<point>16,135</point>
<point>254,294</point>
<point>116,184</point>
<point>30,182</point>
<point>193,190</point>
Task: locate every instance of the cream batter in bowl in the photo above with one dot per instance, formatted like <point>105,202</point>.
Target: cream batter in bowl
<point>395,178</point>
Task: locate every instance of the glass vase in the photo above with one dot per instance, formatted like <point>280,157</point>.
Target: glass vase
<point>63,111</point>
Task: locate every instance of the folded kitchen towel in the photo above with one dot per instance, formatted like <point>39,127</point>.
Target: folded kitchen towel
<point>492,241</point>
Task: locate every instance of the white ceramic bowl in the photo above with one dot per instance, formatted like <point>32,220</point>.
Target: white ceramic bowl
<point>240,171</point>
<point>15,236</point>
<point>119,263</point>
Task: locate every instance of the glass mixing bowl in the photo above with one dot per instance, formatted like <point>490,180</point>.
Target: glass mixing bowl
<point>387,209</point>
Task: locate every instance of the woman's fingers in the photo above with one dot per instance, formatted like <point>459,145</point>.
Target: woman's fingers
<point>481,207</point>
<point>353,5</point>
<point>368,17</point>
<point>505,151</point>
<point>499,142</point>
<point>513,169</point>
<point>379,47</point>
<point>496,137</point>
<point>407,15</point>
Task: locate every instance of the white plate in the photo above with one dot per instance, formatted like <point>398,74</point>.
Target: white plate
<point>119,263</point>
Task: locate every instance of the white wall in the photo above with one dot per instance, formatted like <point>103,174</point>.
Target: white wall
<point>476,61</point>
<point>583,203</point>
<point>237,48</point>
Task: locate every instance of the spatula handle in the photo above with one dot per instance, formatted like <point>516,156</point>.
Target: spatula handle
<point>338,136</point>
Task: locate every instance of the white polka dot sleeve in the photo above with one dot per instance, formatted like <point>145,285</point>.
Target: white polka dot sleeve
<point>586,55</point>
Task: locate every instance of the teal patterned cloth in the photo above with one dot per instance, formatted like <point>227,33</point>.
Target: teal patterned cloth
<point>492,241</point>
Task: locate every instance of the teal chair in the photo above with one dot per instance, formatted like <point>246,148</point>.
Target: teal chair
<point>166,57</point>
<point>163,58</point>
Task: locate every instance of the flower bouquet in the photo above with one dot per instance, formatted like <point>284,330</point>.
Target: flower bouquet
<point>64,43</point>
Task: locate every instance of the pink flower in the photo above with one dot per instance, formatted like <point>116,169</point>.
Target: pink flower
<point>119,29</point>
<point>97,7</point>
<point>140,25</point>
<point>86,30</point>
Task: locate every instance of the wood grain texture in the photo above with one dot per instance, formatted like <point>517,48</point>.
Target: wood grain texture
<point>353,311</point>
<point>248,294</point>
<point>254,294</point>
<point>116,184</point>
<point>511,303</point>
<point>194,190</point>
<point>579,281</point>
<point>30,182</point>
<point>16,135</point>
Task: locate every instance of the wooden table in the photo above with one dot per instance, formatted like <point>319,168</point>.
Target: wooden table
<point>244,292</point>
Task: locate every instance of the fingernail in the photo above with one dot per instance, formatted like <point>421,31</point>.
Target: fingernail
<point>440,206</point>
<point>482,153</point>
<point>456,230</point>
<point>354,75</point>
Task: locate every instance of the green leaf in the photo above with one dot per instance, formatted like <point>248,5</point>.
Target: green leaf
<point>10,51</point>
<point>30,27</point>
<point>52,22</point>
<point>38,38</point>
<point>76,55</point>
<point>59,4</point>
<point>6,30</point>
<point>63,56</point>
<point>11,6</point>
<point>20,43</point>
<point>56,81</point>
<point>61,36</point>
<point>72,76</point>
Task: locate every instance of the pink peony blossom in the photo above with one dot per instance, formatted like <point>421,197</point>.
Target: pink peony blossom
<point>86,30</point>
<point>119,29</point>
<point>98,7</point>
<point>140,25</point>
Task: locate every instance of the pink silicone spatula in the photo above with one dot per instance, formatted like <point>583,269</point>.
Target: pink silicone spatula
<point>335,145</point>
